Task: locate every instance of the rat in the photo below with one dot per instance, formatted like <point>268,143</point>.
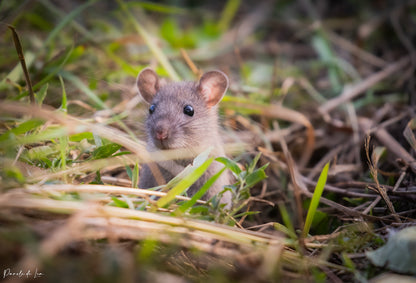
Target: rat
<point>183,115</point>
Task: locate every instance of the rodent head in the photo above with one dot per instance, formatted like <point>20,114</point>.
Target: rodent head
<point>183,114</point>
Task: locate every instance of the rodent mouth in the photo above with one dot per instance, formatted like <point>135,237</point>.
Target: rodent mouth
<point>163,145</point>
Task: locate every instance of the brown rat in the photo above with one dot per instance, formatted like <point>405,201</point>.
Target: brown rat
<point>183,115</point>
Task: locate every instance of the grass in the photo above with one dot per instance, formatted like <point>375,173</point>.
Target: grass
<point>318,124</point>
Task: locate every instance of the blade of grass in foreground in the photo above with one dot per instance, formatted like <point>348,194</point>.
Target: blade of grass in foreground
<point>185,183</point>
<point>315,200</point>
<point>200,193</point>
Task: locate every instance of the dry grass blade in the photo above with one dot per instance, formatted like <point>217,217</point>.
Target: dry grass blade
<point>92,221</point>
<point>361,53</point>
<point>220,232</point>
<point>115,190</point>
<point>286,114</point>
<point>295,181</point>
<point>350,92</point>
<point>197,72</point>
<point>19,51</point>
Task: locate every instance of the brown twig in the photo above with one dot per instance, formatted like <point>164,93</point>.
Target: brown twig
<point>388,141</point>
<point>197,72</point>
<point>372,163</point>
<point>297,190</point>
<point>351,92</point>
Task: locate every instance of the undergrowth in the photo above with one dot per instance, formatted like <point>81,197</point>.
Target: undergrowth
<point>318,125</point>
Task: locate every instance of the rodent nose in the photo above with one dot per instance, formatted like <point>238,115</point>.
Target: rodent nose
<point>161,134</point>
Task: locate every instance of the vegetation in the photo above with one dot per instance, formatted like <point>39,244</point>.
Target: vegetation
<point>319,123</point>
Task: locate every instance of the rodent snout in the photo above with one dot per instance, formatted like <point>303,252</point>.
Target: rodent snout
<point>161,134</point>
<point>161,131</point>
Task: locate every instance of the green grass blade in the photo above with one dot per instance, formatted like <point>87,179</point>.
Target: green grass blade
<point>201,192</point>
<point>228,14</point>
<point>185,183</point>
<point>286,220</point>
<point>161,8</point>
<point>135,176</point>
<point>322,47</point>
<point>64,105</point>
<point>119,202</point>
<point>230,164</point>
<point>315,200</point>
<point>48,134</point>
<point>63,147</point>
<point>40,96</point>
<point>81,86</point>
<point>17,71</point>
<point>66,20</point>
<point>157,52</point>
<point>50,75</point>
<point>22,128</point>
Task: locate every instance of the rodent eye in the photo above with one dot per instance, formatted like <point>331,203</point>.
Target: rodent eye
<point>188,110</point>
<point>152,108</point>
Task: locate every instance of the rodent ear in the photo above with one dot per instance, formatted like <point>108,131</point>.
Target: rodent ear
<point>213,86</point>
<point>148,84</point>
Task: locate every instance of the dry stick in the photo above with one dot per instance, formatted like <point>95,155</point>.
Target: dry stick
<point>280,112</point>
<point>380,189</point>
<point>407,42</point>
<point>337,190</point>
<point>351,92</point>
<point>388,141</point>
<point>399,181</point>
<point>372,205</point>
<point>354,49</point>
<point>190,63</point>
<point>333,204</point>
<point>356,130</point>
<point>297,191</point>
<point>325,159</point>
<point>19,50</point>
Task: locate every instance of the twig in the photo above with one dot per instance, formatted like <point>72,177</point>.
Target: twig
<point>351,92</point>
<point>361,53</point>
<point>280,112</point>
<point>388,141</point>
<point>334,189</point>
<point>399,181</point>
<point>297,191</point>
<point>372,205</point>
<point>372,163</point>
<point>197,72</point>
